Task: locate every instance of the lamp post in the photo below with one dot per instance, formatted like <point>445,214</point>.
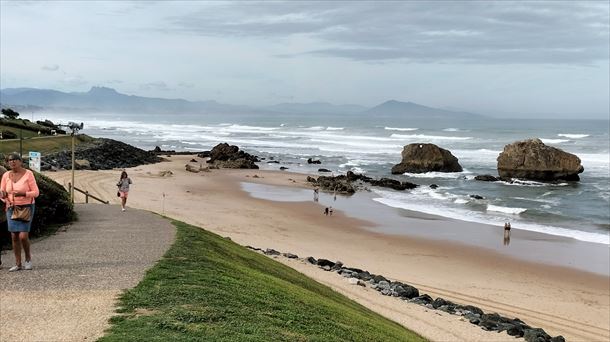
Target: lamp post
<point>74,127</point>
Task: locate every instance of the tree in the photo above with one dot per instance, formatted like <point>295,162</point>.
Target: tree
<point>9,113</point>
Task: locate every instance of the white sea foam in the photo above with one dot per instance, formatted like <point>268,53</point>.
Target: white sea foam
<point>572,136</point>
<point>447,175</point>
<point>506,210</point>
<point>426,137</point>
<point>400,129</point>
<point>460,201</point>
<point>554,141</point>
<point>329,128</point>
<point>315,128</point>
<point>471,216</point>
<point>451,129</point>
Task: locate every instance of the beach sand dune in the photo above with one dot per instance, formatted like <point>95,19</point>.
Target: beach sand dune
<point>563,301</point>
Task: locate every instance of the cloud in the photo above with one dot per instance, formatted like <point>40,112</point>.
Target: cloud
<point>465,32</point>
<point>186,85</point>
<point>155,86</point>
<point>74,81</point>
<point>50,67</point>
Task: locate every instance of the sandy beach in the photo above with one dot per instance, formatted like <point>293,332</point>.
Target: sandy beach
<point>562,300</point>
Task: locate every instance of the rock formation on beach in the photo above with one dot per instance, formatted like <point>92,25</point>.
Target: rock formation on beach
<point>351,182</point>
<point>532,159</point>
<point>419,158</point>
<point>231,157</point>
<point>99,154</point>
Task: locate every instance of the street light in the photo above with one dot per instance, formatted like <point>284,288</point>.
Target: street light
<point>74,127</point>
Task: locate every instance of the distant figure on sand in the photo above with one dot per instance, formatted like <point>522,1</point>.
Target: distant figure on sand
<point>330,211</point>
<point>18,189</point>
<point>316,194</point>
<point>326,211</point>
<point>123,185</point>
<point>506,233</point>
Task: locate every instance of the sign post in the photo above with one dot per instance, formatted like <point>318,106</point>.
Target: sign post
<point>35,161</point>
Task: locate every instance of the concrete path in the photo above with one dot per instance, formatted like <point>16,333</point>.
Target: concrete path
<point>78,272</point>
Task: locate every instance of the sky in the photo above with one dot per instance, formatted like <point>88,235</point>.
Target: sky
<point>536,59</point>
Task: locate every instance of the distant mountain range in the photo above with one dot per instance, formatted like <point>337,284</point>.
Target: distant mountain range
<point>102,99</point>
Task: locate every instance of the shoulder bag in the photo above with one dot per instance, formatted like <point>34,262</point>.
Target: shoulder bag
<point>20,212</point>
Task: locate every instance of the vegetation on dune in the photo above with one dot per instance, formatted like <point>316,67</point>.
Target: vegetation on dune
<point>209,288</point>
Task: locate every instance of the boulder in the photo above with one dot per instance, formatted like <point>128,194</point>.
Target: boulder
<point>82,164</point>
<point>231,157</point>
<point>419,158</point>
<point>312,161</point>
<point>191,168</point>
<point>392,184</point>
<point>532,159</point>
<point>486,178</point>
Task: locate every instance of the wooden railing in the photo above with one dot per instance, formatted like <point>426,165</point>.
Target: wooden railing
<point>87,194</point>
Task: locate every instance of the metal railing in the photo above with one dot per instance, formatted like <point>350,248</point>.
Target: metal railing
<point>87,194</point>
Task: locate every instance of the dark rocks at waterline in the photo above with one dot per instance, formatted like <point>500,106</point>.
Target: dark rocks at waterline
<point>421,300</point>
<point>100,154</point>
<point>311,260</point>
<point>273,162</point>
<point>479,197</point>
<point>339,184</point>
<point>532,159</point>
<point>393,184</point>
<point>348,184</point>
<point>290,255</point>
<point>231,157</point>
<point>312,161</point>
<point>324,170</point>
<point>433,186</point>
<point>486,178</point>
<point>420,158</point>
<point>283,168</point>
<point>158,150</point>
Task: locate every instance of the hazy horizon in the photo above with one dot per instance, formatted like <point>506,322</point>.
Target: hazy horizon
<point>543,59</point>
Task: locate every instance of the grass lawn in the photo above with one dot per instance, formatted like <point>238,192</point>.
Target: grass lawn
<point>207,288</point>
<point>46,144</point>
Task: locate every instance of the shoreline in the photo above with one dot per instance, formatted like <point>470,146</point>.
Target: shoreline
<point>563,301</point>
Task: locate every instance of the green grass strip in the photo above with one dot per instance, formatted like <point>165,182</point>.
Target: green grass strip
<point>207,288</point>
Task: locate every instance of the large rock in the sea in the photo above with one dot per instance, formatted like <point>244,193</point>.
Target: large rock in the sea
<point>231,157</point>
<point>532,159</point>
<point>419,158</point>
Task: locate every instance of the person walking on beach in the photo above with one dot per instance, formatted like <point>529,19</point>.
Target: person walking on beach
<point>330,211</point>
<point>316,194</point>
<point>18,189</point>
<point>326,211</point>
<point>123,185</point>
<point>506,233</point>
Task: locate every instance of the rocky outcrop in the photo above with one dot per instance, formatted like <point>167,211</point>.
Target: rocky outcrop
<point>99,154</point>
<point>339,184</point>
<point>486,178</point>
<point>351,182</point>
<point>312,161</point>
<point>231,157</point>
<point>532,159</point>
<point>419,158</point>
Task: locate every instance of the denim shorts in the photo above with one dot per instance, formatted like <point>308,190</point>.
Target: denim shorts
<point>19,226</point>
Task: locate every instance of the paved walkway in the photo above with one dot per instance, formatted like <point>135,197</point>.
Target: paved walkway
<point>78,273</point>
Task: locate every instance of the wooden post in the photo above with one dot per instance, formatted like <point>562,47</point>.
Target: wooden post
<point>86,196</point>
<point>72,190</point>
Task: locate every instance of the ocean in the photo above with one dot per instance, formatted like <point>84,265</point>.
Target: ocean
<point>372,145</point>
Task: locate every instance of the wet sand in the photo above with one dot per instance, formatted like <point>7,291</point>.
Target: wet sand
<point>562,300</point>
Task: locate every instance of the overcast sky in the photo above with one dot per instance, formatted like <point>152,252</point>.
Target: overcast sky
<point>549,58</point>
